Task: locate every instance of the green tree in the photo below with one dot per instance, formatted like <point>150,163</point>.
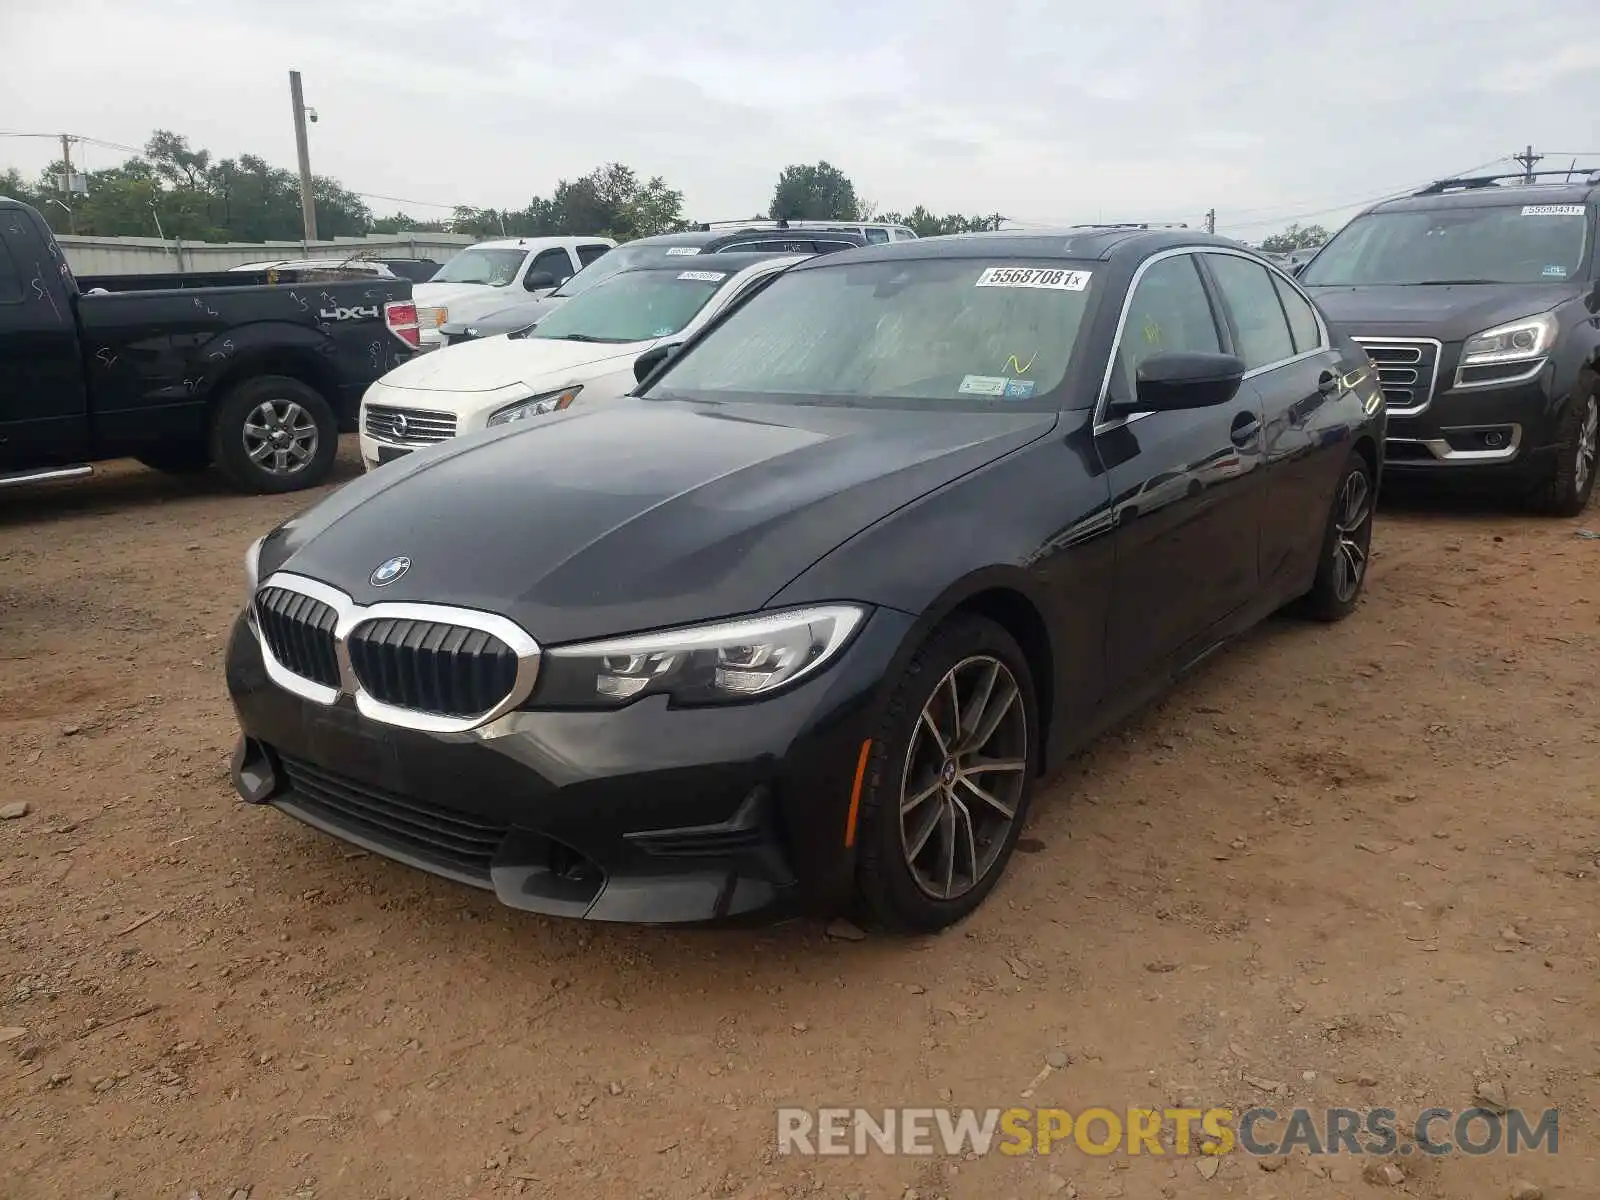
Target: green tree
<point>1296,237</point>
<point>814,192</point>
<point>924,224</point>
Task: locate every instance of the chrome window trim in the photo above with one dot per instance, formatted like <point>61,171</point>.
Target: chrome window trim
<point>1104,424</point>
<point>1474,385</point>
<point>350,616</point>
<point>1438,361</point>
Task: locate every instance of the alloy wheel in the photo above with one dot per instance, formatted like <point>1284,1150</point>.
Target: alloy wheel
<point>280,437</point>
<point>1588,437</point>
<point>1352,524</point>
<point>962,783</point>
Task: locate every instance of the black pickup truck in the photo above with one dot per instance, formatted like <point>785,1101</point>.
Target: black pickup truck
<point>257,379</point>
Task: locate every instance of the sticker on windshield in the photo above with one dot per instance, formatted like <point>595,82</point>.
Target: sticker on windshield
<point>1555,272</point>
<point>674,251</point>
<point>1552,210</point>
<point>1034,277</point>
<point>1018,389</point>
<point>983,385</point>
<point>704,276</point>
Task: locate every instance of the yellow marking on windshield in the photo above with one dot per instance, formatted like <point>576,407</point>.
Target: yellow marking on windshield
<point>1013,367</point>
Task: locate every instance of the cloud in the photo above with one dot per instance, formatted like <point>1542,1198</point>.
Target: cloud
<point>1040,109</point>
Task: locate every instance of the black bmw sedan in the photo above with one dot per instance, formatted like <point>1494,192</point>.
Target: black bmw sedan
<point>800,624</point>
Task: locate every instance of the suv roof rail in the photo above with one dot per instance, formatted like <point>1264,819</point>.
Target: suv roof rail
<point>781,223</point>
<point>1586,175</point>
<point>1134,225</point>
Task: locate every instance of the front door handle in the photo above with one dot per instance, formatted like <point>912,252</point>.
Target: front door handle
<point>1245,428</point>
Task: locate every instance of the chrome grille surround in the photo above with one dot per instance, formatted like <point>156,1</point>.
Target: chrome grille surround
<point>351,616</point>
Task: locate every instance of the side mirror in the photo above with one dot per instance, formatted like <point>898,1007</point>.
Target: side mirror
<point>534,280</point>
<point>1179,380</point>
<point>646,364</point>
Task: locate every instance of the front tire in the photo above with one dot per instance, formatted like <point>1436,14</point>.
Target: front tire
<point>1346,545</point>
<point>274,434</point>
<point>1567,492</point>
<point>949,780</point>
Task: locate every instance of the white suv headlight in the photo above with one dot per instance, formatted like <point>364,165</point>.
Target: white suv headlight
<point>719,662</point>
<point>535,406</point>
<point>1516,341</point>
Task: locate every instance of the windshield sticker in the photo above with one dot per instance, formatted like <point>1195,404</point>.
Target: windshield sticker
<point>1018,389</point>
<point>1014,367</point>
<point>674,251</point>
<point>664,331</point>
<point>1034,277</point>
<point>1555,272</point>
<point>704,276</point>
<point>1552,210</point>
<point>984,385</point>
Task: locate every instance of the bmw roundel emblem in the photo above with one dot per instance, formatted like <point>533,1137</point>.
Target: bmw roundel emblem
<point>389,571</point>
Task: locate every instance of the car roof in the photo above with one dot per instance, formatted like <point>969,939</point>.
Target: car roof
<point>729,264</point>
<point>541,242</point>
<point>704,237</point>
<point>1095,243</point>
<point>1493,196</point>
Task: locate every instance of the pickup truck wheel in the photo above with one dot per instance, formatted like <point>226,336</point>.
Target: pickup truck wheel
<point>186,458</point>
<point>274,434</point>
<point>1566,493</point>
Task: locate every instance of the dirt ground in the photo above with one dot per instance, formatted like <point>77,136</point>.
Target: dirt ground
<point>1352,865</point>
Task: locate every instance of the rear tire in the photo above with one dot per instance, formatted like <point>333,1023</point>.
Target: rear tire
<point>1346,545</point>
<point>948,783</point>
<point>183,458</point>
<point>1566,493</point>
<point>274,434</point>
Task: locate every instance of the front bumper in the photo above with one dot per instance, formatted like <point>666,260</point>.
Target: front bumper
<point>649,814</point>
<point>1505,431</point>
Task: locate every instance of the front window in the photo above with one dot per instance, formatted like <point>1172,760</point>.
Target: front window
<point>623,258</point>
<point>496,268</point>
<point>959,332</point>
<point>637,306</point>
<point>1504,243</point>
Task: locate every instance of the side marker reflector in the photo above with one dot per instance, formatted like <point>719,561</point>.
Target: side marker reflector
<point>855,793</point>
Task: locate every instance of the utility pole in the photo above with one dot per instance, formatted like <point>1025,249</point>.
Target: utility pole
<point>66,160</point>
<point>308,206</point>
<point>1211,220</point>
<point>1528,159</point>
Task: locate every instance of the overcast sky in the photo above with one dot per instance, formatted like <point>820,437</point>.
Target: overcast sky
<point>1043,110</point>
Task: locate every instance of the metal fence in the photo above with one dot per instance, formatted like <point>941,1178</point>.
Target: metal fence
<point>144,256</point>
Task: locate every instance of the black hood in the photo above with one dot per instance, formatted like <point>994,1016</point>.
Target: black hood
<point>1449,312</point>
<point>635,515</point>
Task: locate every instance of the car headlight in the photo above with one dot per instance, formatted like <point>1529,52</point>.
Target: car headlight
<point>535,406</point>
<point>716,663</point>
<point>1516,341</point>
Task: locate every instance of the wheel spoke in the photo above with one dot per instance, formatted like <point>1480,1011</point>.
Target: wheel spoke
<point>915,846</point>
<point>260,452</point>
<point>993,714</point>
<point>987,766</point>
<point>968,840</point>
<point>938,738</point>
<point>955,709</point>
<point>257,431</point>
<point>993,802</point>
<point>947,845</point>
<point>980,697</point>
<point>922,797</point>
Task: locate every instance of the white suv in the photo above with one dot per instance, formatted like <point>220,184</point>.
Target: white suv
<point>479,278</point>
<point>582,353</point>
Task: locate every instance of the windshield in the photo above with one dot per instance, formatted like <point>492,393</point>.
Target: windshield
<point>636,306</point>
<point>963,332</point>
<point>1509,243</point>
<point>623,258</point>
<point>496,268</point>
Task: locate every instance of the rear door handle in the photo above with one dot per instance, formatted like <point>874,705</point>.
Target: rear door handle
<point>1245,428</point>
<point>1328,383</point>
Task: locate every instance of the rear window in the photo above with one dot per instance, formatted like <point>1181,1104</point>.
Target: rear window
<point>951,333</point>
<point>1504,243</point>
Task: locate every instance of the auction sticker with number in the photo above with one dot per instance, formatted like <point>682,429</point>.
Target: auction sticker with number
<point>1552,210</point>
<point>704,276</point>
<point>1035,277</point>
<point>672,251</point>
